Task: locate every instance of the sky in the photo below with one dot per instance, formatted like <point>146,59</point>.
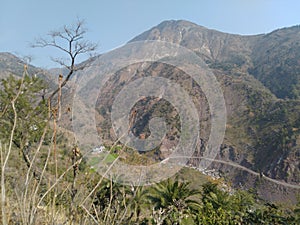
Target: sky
<point>112,23</point>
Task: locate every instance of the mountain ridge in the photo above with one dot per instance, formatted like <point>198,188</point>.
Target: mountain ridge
<point>260,78</point>
<point>250,51</point>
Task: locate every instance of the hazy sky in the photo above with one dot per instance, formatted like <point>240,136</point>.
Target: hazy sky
<point>112,23</point>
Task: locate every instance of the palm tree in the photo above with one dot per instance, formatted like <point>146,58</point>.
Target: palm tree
<point>213,195</point>
<point>137,202</point>
<point>216,206</point>
<point>173,199</point>
<point>110,200</point>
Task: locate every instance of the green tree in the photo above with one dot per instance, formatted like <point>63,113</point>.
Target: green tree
<point>31,112</point>
<point>137,202</point>
<point>216,206</point>
<point>212,194</point>
<point>296,217</point>
<point>173,201</point>
<point>267,214</point>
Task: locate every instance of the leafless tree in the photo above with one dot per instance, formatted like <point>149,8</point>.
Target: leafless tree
<point>71,41</point>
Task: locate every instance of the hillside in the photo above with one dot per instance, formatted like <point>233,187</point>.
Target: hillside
<point>13,65</point>
<point>263,124</point>
<point>260,80</point>
<point>271,58</point>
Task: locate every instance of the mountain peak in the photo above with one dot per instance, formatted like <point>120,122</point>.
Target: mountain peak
<point>167,30</point>
<point>211,44</point>
<point>177,23</point>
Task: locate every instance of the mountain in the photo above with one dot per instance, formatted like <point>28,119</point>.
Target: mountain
<point>212,45</point>
<point>13,65</point>
<point>272,58</point>
<point>260,79</point>
<point>259,76</point>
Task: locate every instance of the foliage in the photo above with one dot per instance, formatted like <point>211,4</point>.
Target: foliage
<point>30,106</point>
<point>30,109</point>
<point>172,200</point>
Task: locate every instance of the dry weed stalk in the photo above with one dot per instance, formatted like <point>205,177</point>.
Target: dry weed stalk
<point>8,153</point>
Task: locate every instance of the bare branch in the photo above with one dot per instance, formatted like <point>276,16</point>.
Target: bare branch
<point>62,62</point>
<point>41,43</point>
<point>74,45</point>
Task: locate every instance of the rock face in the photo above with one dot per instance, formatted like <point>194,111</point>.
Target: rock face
<point>260,80</point>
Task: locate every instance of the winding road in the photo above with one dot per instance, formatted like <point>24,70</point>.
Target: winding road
<point>295,186</point>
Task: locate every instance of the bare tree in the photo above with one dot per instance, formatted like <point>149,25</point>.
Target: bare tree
<point>69,40</point>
